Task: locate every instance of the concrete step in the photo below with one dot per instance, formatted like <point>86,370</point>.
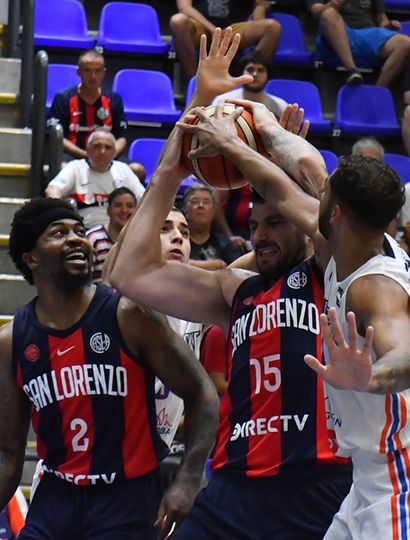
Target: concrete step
<point>6,264</point>
<point>10,69</point>
<point>4,12</point>
<point>9,111</point>
<point>15,145</point>
<point>14,180</point>
<point>14,292</point>
<point>8,205</point>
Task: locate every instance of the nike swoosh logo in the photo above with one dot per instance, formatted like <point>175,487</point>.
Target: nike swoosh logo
<point>64,351</point>
<point>76,113</point>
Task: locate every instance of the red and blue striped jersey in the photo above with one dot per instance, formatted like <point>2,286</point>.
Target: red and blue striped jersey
<point>273,415</point>
<point>93,400</point>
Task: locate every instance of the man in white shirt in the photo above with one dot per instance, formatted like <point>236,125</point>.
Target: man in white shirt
<point>89,181</point>
<point>257,65</point>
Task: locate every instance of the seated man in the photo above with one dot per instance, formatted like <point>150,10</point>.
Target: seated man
<point>209,250</point>
<point>82,108</point>
<point>90,180</point>
<point>360,30</point>
<point>255,64</point>
<point>121,205</point>
<point>198,17</point>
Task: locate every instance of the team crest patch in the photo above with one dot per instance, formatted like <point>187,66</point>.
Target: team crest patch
<point>32,353</point>
<point>297,280</point>
<point>99,342</point>
<point>103,113</point>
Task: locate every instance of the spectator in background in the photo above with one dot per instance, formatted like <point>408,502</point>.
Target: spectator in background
<point>214,357</point>
<point>257,65</point>
<point>198,17</point>
<point>90,180</point>
<point>209,250</point>
<point>371,148</point>
<point>121,205</point>
<point>82,108</point>
<point>353,29</point>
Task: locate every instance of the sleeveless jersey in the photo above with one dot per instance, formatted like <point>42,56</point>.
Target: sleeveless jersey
<point>273,416</point>
<point>93,400</point>
<point>380,421</point>
<point>169,406</point>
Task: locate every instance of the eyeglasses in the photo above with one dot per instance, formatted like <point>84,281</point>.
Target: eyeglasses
<point>197,202</point>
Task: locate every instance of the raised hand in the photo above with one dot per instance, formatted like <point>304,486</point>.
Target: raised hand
<point>291,119</point>
<point>213,76</point>
<point>349,367</point>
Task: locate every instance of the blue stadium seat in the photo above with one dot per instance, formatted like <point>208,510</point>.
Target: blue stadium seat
<point>292,48</point>
<point>147,151</point>
<point>405,25</point>
<point>190,89</point>
<point>61,23</point>
<point>331,160</point>
<point>130,27</point>
<point>60,77</point>
<point>401,164</point>
<point>306,95</point>
<point>397,5</point>
<point>366,110</point>
<point>147,95</point>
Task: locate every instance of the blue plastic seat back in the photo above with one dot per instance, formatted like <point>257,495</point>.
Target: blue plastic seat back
<point>60,77</point>
<point>397,5</point>
<point>148,95</point>
<point>190,89</point>
<point>331,160</point>
<point>366,110</point>
<point>400,163</point>
<point>405,25</point>
<point>130,27</point>
<point>291,47</point>
<point>306,95</point>
<point>61,23</point>
<point>146,151</point>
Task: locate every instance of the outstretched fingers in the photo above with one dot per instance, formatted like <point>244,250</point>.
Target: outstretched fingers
<point>316,365</point>
<point>216,40</point>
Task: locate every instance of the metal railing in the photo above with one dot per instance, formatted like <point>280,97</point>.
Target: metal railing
<point>38,123</point>
<point>27,62</point>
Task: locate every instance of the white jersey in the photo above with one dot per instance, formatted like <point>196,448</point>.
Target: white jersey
<point>169,407</point>
<point>361,420</point>
<point>91,189</point>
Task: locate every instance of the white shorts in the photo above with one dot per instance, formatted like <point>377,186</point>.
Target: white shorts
<point>378,504</point>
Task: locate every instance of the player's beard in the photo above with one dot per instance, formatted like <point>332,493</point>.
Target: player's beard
<point>69,282</point>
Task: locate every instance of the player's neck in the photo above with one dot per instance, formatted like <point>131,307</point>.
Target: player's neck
<point>354,252</point>
<point>62,309</point>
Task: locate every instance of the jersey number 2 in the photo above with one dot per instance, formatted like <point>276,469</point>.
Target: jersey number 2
<point>79,442</point>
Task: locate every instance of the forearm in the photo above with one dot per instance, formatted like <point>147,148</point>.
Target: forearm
<point>212,264</point>
<point>10,473</point>
<point>274,185</point>
<point>391,373</point>
<point>73,150</point>
<point>193,13</point>
<point>120,145</point>
<point>201,421</point>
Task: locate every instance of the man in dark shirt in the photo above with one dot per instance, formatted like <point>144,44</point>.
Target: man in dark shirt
<point>82,108</point>
<point>198,17</point>
<point>360,31</point>
<point>209,250</point>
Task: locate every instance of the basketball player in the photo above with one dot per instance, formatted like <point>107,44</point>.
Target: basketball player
<point>84,360</point>
<point>274,464</point>
<point>367,292</point>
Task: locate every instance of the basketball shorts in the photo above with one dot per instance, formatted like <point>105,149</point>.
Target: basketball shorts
<point>378,505</point>
<point>120,511</point>
<point>365,44</point>
<point>264,508</point>
<point>237,28</point>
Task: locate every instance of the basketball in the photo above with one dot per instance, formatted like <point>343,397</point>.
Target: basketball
<point>217,171</point>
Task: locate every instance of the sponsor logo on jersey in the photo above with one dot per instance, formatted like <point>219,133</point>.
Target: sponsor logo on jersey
<point>280,313</point>
<point>297,280</point>
<point>32,353</point>
<point>62,352</point>
<point>163,425</point>
<point>274,424</point>
<point>100,342</point>
<point>83,479</point>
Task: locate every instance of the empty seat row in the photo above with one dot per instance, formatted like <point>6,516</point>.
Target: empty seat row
<point>147,151</point>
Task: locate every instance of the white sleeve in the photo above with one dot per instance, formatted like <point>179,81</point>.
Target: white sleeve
<point>133,183</point>
<point>65,179</point>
